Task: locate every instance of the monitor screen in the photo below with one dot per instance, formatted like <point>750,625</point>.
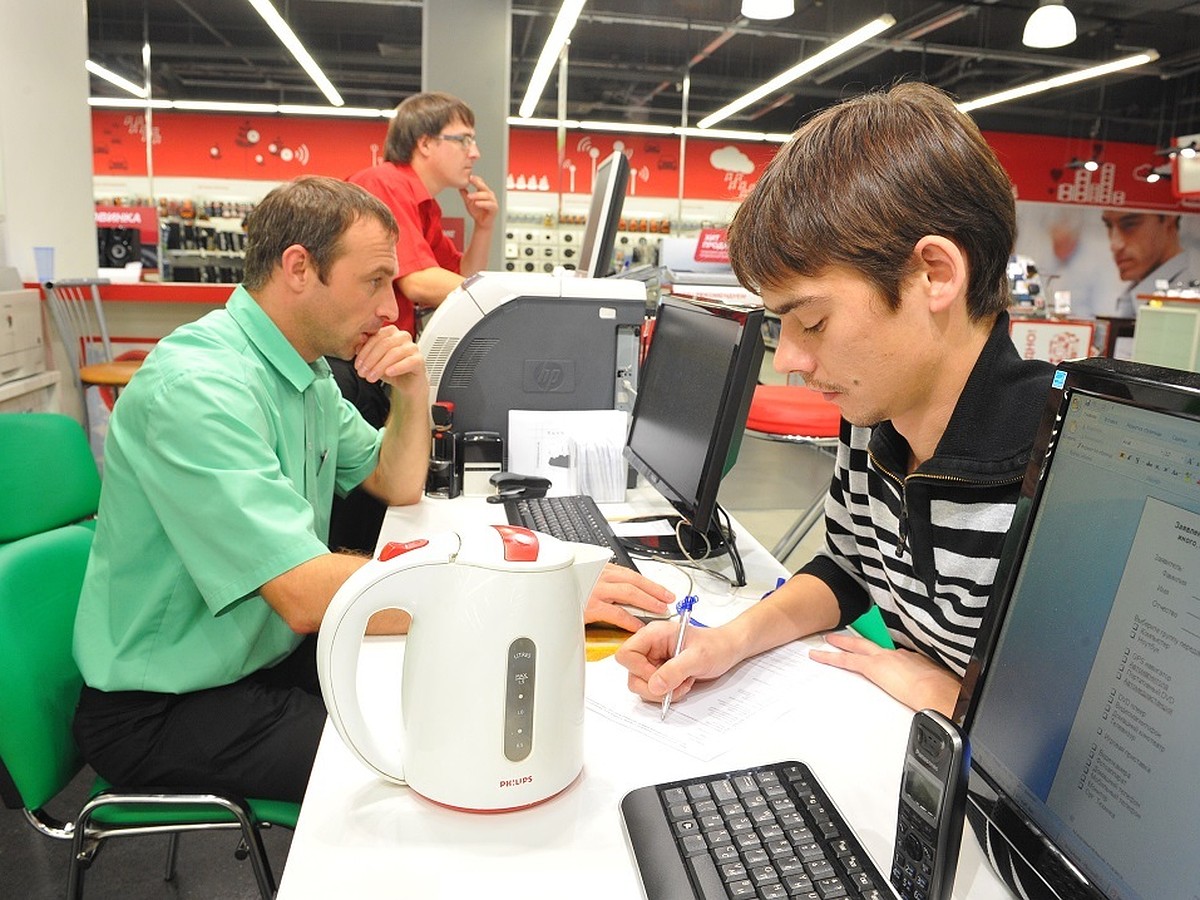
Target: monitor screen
<point>693,395</point>
<point>600,230</point>
<point>1080,698</point>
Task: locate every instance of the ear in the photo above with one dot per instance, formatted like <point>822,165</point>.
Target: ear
<point>423,146</point>
<point>941,271</point>
<point>297,268</point>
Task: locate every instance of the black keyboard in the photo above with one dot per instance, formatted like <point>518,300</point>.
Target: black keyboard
<point>572,518</point>
<point>769,833</point>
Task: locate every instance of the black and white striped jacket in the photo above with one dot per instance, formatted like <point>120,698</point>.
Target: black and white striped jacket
<point>925,547</point>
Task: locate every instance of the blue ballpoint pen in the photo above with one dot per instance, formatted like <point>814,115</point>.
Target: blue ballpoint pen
<point>685,618</point>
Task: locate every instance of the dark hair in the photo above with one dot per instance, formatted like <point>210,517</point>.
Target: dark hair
<point>860,183</point>
<point>420,115</point>
<point>313,211</point>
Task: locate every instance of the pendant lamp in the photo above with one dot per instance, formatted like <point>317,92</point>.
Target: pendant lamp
<point>1050,25</point>
<point>768,9</point>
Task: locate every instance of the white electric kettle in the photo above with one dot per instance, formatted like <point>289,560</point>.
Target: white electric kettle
<point>491,693</point>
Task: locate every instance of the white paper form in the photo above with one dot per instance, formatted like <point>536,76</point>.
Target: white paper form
<point>714,714</point>
<point>579,450</point>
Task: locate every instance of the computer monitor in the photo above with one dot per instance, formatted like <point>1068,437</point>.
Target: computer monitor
<point>604,214</point>
<point>1080,698</point>
<point>689,416</point>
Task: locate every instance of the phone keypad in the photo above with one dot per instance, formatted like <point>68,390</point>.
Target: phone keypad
<point>912,865</point>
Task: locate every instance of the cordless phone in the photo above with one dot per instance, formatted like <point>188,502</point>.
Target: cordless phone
<point>933,795</point>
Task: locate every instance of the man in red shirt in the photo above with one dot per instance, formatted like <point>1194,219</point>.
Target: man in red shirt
<point>430,146</point>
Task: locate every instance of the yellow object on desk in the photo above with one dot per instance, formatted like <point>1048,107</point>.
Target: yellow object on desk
<point>602,641</point>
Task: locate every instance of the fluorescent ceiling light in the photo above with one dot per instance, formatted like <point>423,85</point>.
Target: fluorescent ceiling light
<point>559,34</point>
<point>289,39</point>
<point>123,103</point>
<point>802,68</point>
<point>1048,84</point>
<point>631,127</point>
<point>768,9</point>
<point>1050,25</point>
<point>113,78</point>
<point>221,106</point>
<point>638,128</point>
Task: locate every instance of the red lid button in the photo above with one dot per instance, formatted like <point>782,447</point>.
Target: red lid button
<point>392,549</point>
<point>520,544</point>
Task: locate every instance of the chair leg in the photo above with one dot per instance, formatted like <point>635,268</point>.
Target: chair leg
<point>794,535</point>
<point>83,851</point>
<point>172,852</point>
<point>252,841</point>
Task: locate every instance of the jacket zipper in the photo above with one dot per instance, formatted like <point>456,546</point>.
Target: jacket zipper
<point>902,484</point>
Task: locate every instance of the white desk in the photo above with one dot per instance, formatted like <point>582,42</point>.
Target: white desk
<point>361,837</point>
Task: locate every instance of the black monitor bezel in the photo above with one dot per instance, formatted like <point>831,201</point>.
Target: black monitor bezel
<point>1148,387</point>
<point>726,434</point>
<point>604,216</point>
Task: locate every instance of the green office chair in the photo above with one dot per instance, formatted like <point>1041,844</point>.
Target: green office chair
<point>49,475</point>
<point>40,580</point>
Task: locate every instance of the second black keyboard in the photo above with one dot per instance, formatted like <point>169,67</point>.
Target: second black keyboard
<point>768,833</point>
<point>572,518</point>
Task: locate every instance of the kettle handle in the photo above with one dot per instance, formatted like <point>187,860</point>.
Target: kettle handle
<point>338,645</point>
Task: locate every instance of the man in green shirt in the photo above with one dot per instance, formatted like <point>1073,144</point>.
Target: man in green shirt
<point>210,563</point>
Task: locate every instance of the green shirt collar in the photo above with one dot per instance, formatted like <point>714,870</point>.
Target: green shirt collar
<point>265,335</point>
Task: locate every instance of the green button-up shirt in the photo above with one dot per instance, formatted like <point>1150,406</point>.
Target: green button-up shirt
<point>220,464</point>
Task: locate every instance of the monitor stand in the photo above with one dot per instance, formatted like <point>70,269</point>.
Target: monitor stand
<point>691,544</point>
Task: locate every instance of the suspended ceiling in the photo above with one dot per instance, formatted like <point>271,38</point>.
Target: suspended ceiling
<point>628,58</point>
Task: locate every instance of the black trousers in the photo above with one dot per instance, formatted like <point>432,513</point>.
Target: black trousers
<point>256,737</point>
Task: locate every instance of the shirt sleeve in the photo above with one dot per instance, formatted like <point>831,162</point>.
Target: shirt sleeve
<point>358,447</point>
<point>214,479</point>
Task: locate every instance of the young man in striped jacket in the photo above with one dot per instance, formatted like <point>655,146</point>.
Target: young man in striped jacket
<point>880,235</point>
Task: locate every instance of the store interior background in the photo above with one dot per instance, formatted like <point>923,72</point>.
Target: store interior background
<point>628,62</point>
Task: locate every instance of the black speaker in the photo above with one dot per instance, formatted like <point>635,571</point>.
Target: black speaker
<point>118,246</point>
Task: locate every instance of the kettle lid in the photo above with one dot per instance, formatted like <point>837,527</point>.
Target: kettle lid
<point>513,547</point>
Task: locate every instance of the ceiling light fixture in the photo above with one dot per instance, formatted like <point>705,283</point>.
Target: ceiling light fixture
<point>802,68</point>
<point>560,33</point>
<point>638,128</point>
<point>768,9</point>
<point>1050,25</point>
<point>113,78</point>
<point>1048,84</point>
<point>289,39</point>
<point>222,106</point>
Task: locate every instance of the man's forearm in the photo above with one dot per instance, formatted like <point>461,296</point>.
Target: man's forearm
<point>399,478</point>
<point>475,257</point>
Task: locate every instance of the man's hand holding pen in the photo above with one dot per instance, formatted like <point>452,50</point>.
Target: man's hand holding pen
<point>655,670</point>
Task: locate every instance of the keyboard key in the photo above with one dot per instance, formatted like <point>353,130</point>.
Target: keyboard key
<point>797,883</point>
<point>734,871</point>
<point>723,791</point>
<point>830,888</point>
<point>706,878</point>
<point>679,811</point>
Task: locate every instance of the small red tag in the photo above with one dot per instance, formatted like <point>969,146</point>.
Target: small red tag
<point>392,549</point>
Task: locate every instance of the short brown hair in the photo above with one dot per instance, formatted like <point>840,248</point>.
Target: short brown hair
<point>860,183</point>
<point>313,211</point>
<point>420,115</point>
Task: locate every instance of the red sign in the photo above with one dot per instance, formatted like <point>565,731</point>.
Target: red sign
<point>712,246</point>
<point>144,219</point>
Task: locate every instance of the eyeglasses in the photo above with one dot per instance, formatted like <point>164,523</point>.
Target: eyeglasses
<point>466,141</point>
